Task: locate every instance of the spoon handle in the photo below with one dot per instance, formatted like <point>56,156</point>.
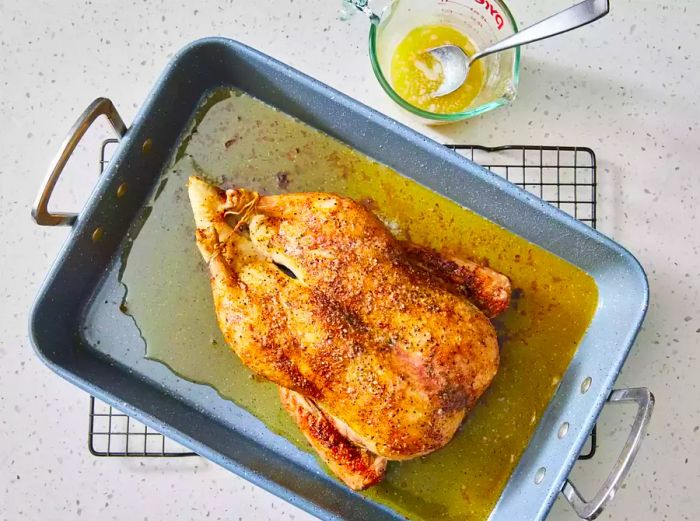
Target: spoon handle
<point>575,16</point>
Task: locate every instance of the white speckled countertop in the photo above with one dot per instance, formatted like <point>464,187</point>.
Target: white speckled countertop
<point>626,86</point>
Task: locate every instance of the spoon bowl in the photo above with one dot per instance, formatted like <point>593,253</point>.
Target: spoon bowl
<point>455,65</point>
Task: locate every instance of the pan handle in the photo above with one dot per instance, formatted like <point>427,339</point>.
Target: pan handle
<point>592,509</point>
<point>99,107</point>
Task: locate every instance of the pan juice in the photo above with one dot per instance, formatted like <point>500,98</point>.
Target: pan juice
<point>237,140</point>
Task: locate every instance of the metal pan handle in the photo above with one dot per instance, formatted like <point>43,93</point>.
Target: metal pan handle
<point>592,509</point>
<point>40,211</point>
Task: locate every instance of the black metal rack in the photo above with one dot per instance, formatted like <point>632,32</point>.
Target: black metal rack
<point>113,433</point>
<point>563,176</point>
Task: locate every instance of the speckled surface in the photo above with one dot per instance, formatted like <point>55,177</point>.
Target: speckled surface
<point>632,98</point>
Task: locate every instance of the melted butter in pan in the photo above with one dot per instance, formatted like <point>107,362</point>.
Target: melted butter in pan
<point>240,141</point>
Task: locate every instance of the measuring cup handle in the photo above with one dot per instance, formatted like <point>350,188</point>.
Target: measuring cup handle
<point>363,5</point>
<point>567,20</point>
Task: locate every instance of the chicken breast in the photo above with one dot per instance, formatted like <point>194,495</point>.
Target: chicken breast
<point>378,348</point>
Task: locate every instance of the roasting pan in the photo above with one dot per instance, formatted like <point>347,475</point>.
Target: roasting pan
<point>81,291</point>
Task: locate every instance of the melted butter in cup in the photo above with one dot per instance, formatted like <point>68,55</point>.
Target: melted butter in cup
<point>415,74</point>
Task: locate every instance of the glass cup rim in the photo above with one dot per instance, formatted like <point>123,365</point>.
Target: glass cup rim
<point>454,116</point>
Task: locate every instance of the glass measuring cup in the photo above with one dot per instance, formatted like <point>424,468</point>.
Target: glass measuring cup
<point>482,21</point>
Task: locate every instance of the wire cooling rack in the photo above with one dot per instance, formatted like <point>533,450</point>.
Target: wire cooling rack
<point>563,176</point>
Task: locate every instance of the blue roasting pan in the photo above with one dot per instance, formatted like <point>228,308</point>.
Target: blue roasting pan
<point>81,293</point>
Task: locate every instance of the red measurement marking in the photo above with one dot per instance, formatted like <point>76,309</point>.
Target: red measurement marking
<point>493,12</point>
<point>490,9</point>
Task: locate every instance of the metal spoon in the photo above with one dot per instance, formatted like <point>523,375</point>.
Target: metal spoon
<point>455,62</point>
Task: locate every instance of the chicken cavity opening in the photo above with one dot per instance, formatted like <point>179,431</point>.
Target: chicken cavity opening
<point>284,269</point>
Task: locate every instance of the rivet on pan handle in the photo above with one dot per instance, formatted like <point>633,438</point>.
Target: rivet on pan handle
<point>99,107</point>
<point>592,509</point>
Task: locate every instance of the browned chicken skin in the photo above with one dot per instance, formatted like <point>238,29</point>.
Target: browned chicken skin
<point>356,466</point>
<point>376,343</point>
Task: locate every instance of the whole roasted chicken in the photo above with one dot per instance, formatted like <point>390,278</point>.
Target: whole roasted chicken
<point>379,347</point>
